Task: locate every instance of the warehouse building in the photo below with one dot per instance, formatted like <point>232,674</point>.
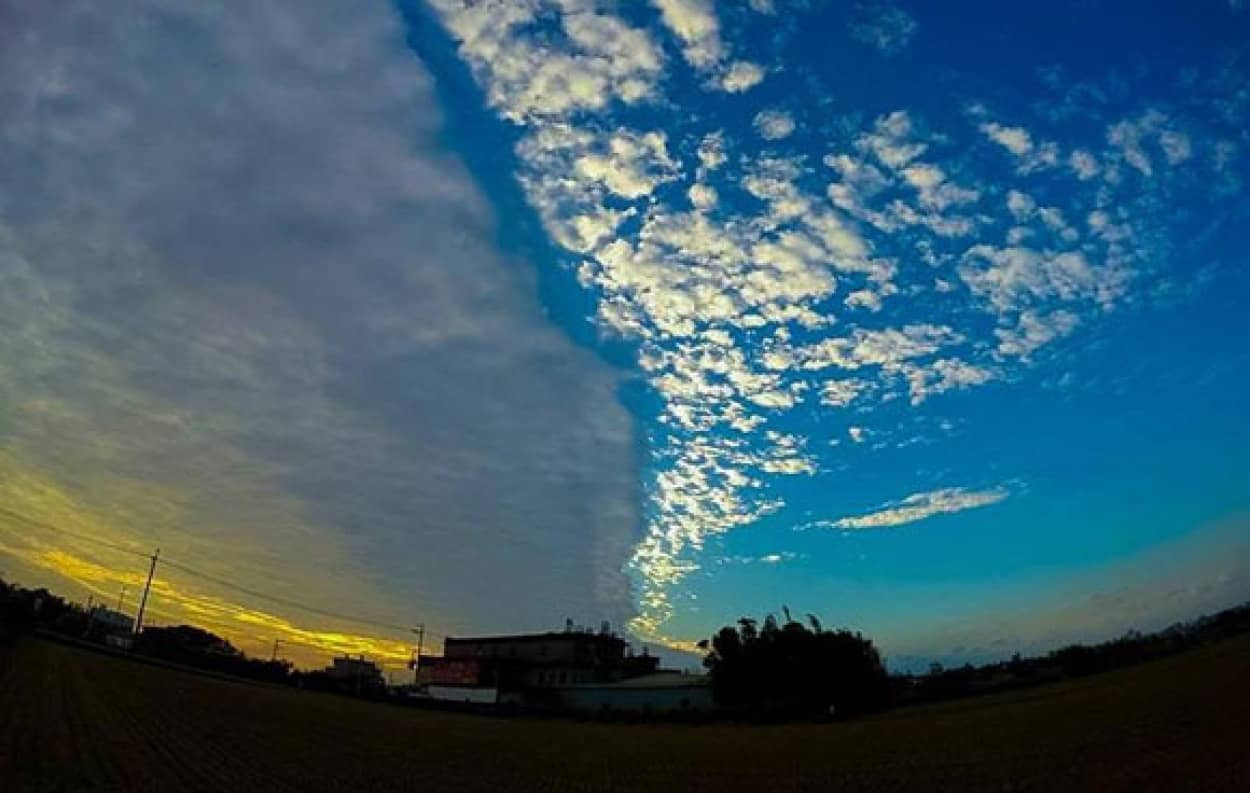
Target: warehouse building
<point>529,668</point>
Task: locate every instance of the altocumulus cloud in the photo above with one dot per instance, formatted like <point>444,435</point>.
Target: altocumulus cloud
<point>250,311</point>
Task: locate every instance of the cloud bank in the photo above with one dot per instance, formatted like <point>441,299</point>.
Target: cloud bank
<point>251,312</point>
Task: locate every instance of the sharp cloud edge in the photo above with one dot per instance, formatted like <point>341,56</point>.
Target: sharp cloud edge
<point>733,303</point>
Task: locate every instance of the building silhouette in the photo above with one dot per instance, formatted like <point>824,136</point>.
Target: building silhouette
<point>574,669</point>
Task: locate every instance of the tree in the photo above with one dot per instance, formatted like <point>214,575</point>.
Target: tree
<point>185,644</point>
<point>790,669</point>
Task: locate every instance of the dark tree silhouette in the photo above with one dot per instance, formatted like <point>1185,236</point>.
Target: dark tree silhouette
<point>792,670</point>
<point>192,646</point>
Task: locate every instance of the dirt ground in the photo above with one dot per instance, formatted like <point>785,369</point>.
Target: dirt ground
<point>72,720</point>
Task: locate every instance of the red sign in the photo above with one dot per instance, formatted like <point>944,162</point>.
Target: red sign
<point>450,672</point>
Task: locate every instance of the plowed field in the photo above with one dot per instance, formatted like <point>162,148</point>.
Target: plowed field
<point>73,720</point>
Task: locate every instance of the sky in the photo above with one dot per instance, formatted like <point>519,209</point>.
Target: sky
<point>485,315</point>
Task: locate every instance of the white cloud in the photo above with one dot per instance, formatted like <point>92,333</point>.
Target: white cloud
<point>1013,278</point>
<point>1053,219</point>
<point>609,61</point>
<point>1016,140</point>
<point>944,375</point>
<point>585,232</point>
<point>712,151</point>
<point>934,190</point>
<point>920,506</point>
<point>1033,330</point>
<point>741,76</point>
<point>923,176</point>
<point>1130,138</point>
<point>863,191</point>
<point>633,164</point>
<point>1176,146</point>
<point>703,196</point>
<point>321,340</point>
<point>1020,204</point>
<point>739,308</point>
<point>694,23</point>
<point>768,558</point>
<point>1127,137</point>
<point>1084,164</point>
<point>891,140</point>
<point>883,25</point>
<point>864,298</point>
<point>774,124</point>
<point>887,348</point>
<point>840,393</point>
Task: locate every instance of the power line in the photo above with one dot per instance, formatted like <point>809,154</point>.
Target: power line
<point>284,600</point>
<point>222,582</point>
<point>76,535</point>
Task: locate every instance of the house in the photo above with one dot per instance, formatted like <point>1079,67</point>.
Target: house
<point>355,675</point>
<point>112,628</point>
<point>103,623</point>
<point>349,668</point>
<point>527,668</point>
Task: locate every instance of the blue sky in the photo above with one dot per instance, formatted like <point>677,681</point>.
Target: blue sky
<point>926,320</point>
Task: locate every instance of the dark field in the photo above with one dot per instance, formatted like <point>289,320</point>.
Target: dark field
<point>71,720</point>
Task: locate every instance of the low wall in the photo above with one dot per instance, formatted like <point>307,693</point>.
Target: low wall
<point>667,699</point>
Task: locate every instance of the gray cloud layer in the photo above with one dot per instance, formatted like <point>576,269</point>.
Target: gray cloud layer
<point>250,310</point>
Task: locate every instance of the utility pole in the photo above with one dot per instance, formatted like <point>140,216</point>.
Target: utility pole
<point>416,659</point>
<point>274,657</point>
<point>121,598</point>
<point>90,616</point>
<point>143,603</point>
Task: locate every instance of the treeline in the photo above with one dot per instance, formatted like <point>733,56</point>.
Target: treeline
<point>782,669</point>
<point>1072,661</point>
<point>187,645</point>
<point>23,610</point>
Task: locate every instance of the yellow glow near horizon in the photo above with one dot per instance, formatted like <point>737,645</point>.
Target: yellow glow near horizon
<point>253,628</point>
<point>35,506</point>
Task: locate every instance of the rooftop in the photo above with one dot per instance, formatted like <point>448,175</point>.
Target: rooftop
<point>536,637</point>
